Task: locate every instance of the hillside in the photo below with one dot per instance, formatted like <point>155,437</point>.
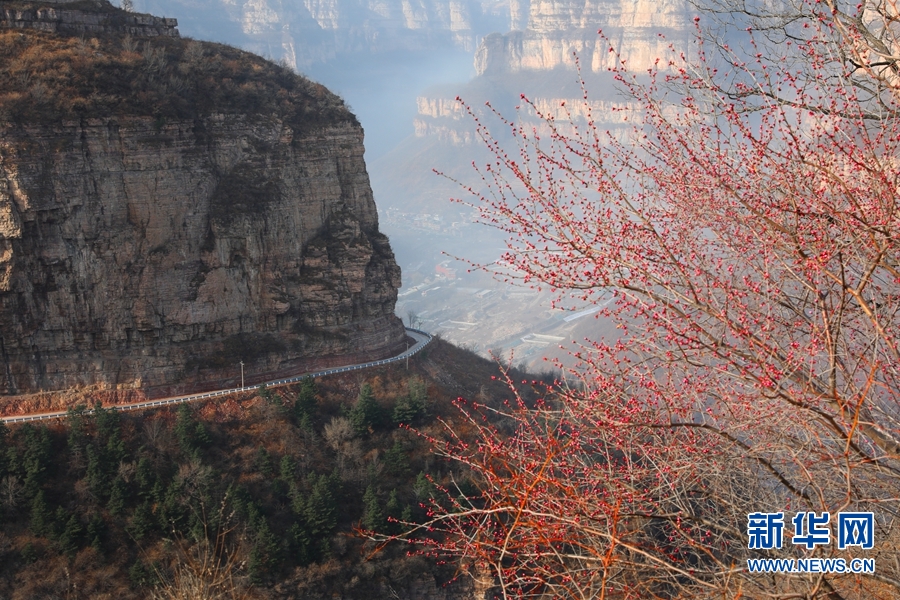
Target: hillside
<point>112,506</point>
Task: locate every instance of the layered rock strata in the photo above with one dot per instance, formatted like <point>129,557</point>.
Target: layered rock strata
<point>640,30</point>
<point>135,253</point>
<point>70,20</point>
<point>308,32</point>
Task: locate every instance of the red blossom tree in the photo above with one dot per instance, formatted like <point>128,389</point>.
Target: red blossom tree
<point>748,227</point>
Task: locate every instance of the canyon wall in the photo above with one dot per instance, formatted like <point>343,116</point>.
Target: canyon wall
<point>316,31</point>
<point>135,254</point>
<point>641,30</point>
<point>539,61</point>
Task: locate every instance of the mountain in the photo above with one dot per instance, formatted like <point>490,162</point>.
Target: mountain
<point>172,208</point>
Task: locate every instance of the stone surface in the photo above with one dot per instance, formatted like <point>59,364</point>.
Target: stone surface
<point>313,31</point>
<point>135,253</point>
<point>557,28</point>
<point>70,20</point>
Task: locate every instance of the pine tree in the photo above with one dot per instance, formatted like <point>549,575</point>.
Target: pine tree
<point>264,462</point>
<point>306,399</point>
<point>393,512</point>
<point>41,515</point>
<point>287,468</point>
<point>70,538</point>
<point>320,511</point>
<point>118,497</point>
<point>373,518</point>
<point>366,413</point>
<point>423,488</point>
<point>77,438</point>
<point>300,543</point>
<point>36,458</point>
<point>191,435</point>
<point>143,521</point>
<point>265,555</point>
<point>413,405</point>
<point>96,532</point>
<point>396,460</point>
<point>145,477</point>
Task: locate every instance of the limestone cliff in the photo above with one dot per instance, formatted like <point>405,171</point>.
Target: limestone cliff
<point>158,244</point>
<point>555,29</point>
<point>539,62</point>
<point>315,31</point>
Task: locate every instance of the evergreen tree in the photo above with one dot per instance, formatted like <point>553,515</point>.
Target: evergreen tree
<point>265,555</point>
<point>141,575</point>
<point>373,518</point>
<point>191,435</point>
<point>423,488</point>
<point>107,422</point>
<point>287,469</point>
<point>118,497</point>
<point>77,437</point>
<point>306,399</point>
<point>70,536</point>
<point>392,508</point>
<point>96,477</point>
<point>145,477</point>
<point>41,515</point>
<point>366,413</point>
<point>393,512</point>
<point>96,532</point>
<point>36,457</point>
<point>320,510</point>
<point>396,460</point>
<point>407,515</point>
<point>264,462</point>
<point>171,513</point>
<point>143,521</point>
<point>300,543</point>
<point>414,404</point>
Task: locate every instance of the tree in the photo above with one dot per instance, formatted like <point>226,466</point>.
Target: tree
<point>366,414</point>
<point>747,229</point>
<point>412,405</point>
<point>373,516</point>
<point>305,405</point>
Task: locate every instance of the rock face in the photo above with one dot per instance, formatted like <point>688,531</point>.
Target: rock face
<point>78,21</point>
<point>136,253</point>
<point>313,31</point>
<point>557,28</point>
<point>538,61</point>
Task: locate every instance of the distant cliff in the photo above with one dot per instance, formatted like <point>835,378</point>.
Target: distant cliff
<point>169,209</point>
<point>316,31</point>
<point>641,30</point>
<point>539,61</point>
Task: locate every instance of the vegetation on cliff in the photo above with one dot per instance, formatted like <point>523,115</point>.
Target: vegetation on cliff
<point>112,504</point>
<point>50,76</point>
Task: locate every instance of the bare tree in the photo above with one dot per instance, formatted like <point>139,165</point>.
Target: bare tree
<point>749,229</point>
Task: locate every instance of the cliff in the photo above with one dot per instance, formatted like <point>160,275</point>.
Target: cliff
<point>72,19</point>
<point>554,30</point>
<point>316,31</point>
<point>171,209</point>
<point>539,62</point>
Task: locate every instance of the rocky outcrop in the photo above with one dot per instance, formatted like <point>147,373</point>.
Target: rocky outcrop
<point>76,21</point>
<point>315,31</point>
<point>641,30</point>
<point>137,253</point>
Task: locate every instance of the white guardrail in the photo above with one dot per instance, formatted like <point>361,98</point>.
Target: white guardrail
<point>422,339</point>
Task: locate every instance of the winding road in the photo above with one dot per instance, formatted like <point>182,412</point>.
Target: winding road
<point>422,339</point>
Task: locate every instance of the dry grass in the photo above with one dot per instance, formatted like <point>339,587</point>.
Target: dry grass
<point>46,77</point>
